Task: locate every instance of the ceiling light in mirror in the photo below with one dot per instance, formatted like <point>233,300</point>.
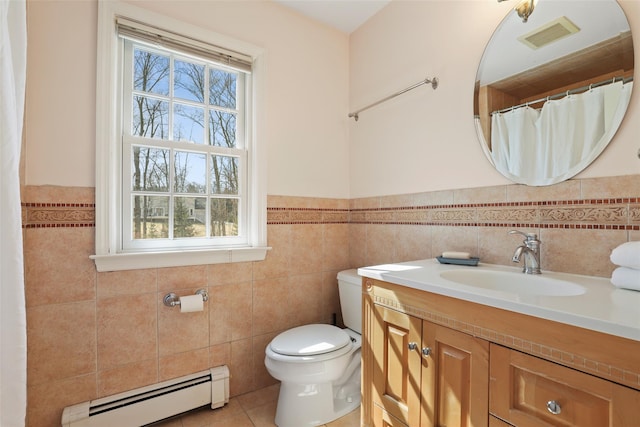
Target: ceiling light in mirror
<point>524,8</point>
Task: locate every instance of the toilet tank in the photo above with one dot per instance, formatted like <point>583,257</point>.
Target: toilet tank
<point>350,289</point>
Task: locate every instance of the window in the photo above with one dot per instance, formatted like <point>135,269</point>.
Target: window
<point>178,165</point>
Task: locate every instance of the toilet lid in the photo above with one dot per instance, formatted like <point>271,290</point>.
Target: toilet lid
<point>310,340</point>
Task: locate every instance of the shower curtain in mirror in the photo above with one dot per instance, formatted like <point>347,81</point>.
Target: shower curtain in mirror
<point>540,145</point>
<point>13,351</point>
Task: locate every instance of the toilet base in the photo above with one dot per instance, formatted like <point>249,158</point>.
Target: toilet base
<point>308,405</point>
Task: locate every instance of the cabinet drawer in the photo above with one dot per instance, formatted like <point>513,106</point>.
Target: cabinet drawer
<point>528,391</point>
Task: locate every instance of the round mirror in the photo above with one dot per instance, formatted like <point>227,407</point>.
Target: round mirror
<point>552,91</point>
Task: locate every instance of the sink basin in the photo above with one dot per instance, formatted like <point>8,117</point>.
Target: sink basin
<point>516,283</point>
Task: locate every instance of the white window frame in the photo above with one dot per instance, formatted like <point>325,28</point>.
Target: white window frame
<point>110,253</point>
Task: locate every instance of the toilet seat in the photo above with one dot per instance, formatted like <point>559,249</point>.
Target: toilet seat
<point>310,344</point>
<point>310,340</point>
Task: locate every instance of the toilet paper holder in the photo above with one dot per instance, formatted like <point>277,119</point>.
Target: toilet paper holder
<point>172,300</point>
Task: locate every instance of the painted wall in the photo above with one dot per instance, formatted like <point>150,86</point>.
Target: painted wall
<point>422,141</point>
<point>307,91</point>
<point>425,140</point>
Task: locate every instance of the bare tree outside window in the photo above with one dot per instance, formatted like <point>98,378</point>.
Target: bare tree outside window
<point>171,186</point>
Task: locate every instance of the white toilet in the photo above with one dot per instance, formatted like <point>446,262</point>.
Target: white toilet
<point>319,365</point>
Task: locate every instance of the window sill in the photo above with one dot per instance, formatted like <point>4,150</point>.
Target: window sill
<point>142,260</point>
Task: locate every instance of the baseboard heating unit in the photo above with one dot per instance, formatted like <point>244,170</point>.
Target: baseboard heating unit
<point>146,405</point>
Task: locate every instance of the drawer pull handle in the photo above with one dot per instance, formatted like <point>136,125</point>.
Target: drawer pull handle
<point>413,346</point>
<point>554,407</point>
<point>426,351</point>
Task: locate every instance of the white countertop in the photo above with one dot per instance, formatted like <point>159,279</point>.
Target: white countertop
<point>602,307</point>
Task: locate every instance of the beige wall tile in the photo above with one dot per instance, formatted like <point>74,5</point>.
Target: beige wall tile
<point>61,341</point>
<point>335,247</point>
<point>568,190</point>
<point>270,305</point>
<point>242,366</point>
<point>127,282</point>
<point>304,303</point>
<point>497,246</point>
<point>276,263</point>
<point>580,251</point>
<point>380,244</point>
<point>358,245</point>
<point>611,187</point>
<point>177,365</point>
<point>127,377</point>
<point>306,248</point>
<point>413,242</point>
<point>56,194</point>
<point>400,200</point>
<point>179,332</point>
<point>127,330</point>
<point>262,377</point>
<point>225,274</point>
<point>461,239</point>
<point>192,277</point>
<point>480,195</point>
<point>57,265</point>
<point>220,354</point>
<point>230,312</point>
<point>46,401</point>
<point>365,203</point>
<point>444,197</point>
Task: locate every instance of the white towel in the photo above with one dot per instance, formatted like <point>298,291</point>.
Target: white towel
<point>627,255</point>
<point>626,278</point>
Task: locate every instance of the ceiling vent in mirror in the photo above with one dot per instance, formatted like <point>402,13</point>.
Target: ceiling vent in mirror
<point>549,33</point>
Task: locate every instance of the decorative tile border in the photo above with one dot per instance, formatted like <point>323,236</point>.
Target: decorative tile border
<point>585,365</point>
<point>609,214</point>
<point>602,214</point>
<point>307,216</point>
<point>53,215</point>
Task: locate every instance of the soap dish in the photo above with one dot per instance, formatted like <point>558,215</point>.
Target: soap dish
<point>473,261</point>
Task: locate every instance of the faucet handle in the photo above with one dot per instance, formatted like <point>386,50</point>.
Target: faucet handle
<point>527,236</point>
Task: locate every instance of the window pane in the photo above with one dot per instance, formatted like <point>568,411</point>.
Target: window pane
<point>222,88</point>
<point>222,129</point>
<point>150,118</point>
<point>224,217</point>
<point>188,80</point>
<point>150,72</point>
<point>150,169</point>
<point>150,217</point>
<point>188,123</point>
<point>224,175</point>
<point>189,216</point>
<point>190,169</point>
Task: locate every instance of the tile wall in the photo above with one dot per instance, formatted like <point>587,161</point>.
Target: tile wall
<point>95,334</point>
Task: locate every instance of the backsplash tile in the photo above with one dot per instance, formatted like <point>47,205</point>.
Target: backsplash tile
<point>124,337</point>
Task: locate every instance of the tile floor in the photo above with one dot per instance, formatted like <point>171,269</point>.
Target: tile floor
<point>255,409</point>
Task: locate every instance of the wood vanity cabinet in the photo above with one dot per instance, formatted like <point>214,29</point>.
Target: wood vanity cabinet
<point>427,374</point>
<point>435,361</point>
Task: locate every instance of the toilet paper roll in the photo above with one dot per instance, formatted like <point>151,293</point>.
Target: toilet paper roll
<point>191,303</point>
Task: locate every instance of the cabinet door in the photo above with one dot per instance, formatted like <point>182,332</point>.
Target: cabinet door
<point>382,418</point>
<point>528,391</point>
<point>396,378</point>
<point>455,379</point>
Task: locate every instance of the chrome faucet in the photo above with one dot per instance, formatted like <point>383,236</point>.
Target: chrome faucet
<point>531,250</point>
